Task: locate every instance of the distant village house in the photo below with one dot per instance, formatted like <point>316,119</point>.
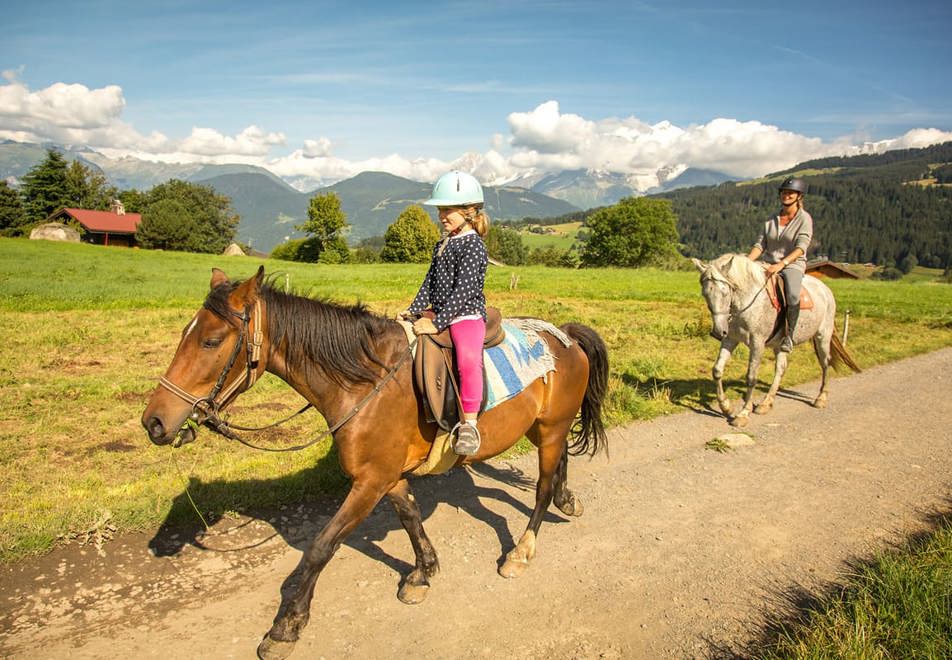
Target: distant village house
<point>829,269</point>
<point>115,227</point>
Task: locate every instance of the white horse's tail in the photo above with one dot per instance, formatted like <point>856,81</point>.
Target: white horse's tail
<point>839,355</point>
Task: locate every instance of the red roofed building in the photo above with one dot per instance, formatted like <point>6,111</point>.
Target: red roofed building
<point>115,227</point>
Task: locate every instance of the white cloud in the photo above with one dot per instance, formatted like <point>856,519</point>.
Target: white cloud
<point>252,141</point>
<point>540,140</point>
<point>73,114</point>
<point>320,148</point>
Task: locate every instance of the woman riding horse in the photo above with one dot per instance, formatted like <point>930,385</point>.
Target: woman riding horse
<point>783,245</point>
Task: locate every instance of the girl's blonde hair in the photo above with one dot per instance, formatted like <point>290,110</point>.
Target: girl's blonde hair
<point>477,218</point>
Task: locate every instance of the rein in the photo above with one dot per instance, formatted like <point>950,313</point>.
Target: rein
<point>224,429</point>
<point>210,406</point>
<point>716,277</point>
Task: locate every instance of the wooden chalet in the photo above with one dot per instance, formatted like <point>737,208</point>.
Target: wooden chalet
<point>115,227</point>
<point>829,269</point>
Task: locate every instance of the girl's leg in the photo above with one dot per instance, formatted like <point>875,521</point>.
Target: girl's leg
<point>468,337</point>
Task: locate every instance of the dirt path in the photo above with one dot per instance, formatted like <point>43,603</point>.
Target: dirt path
<point>680,547</point>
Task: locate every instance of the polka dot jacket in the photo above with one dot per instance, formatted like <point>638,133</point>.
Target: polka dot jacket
<point>453,286</point>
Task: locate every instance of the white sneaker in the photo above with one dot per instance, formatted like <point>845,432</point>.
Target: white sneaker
<point>465,439</point>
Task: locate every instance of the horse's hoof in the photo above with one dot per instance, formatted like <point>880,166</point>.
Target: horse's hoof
<point>726,407</point>
<point>763,409</point>
<point>740,422</point>
<point>820,402</point>
<point>274,649</point>
<point>572,506</point>
<point>413,594</point>
<point>513,568</point>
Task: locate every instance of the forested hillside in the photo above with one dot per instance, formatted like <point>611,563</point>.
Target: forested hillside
<point>866,208</point>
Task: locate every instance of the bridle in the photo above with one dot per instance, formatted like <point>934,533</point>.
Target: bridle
<point>207,410</point>
<point>712,274</point>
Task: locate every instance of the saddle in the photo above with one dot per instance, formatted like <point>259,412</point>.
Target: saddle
<point>434,370</point>
<point>779,303</point>
<point>777,299</point>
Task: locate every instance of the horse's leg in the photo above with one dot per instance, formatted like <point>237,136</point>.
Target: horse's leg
<point>780,367</point>
<point>753,366</point>
<point>567,501</point>
<point>517,559</point>
<point>414,587</point>
<point>727,348</point>
<point>284,633</point>
<point>821,345</point>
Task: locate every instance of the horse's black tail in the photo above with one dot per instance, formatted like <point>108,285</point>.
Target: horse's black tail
<point>840,356</point>
<point>588,432</point>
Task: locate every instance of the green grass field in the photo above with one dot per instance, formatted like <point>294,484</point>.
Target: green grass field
<point>88,330</point>
<point>561,236</point>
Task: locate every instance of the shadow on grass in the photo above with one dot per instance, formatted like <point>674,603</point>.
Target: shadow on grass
<point>790,610</point>
<point>699,395</point>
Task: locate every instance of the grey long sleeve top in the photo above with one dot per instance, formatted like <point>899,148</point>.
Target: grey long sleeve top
<point>777,242</point>
<point>453,286</point>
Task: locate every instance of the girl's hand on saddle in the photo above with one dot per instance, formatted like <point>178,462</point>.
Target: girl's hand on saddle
<point>405,315</point>
<point>424,326</point>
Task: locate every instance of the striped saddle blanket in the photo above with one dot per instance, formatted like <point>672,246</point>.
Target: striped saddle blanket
<point>520,359</point>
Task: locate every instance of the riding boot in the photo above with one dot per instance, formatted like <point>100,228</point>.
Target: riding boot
<point>793,315</point>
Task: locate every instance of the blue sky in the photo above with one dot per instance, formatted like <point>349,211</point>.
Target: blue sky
<point>508,87</point>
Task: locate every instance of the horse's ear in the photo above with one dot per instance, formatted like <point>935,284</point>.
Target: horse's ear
<point>218,278</point>
<point>247,291</point>
<point>700,265</point>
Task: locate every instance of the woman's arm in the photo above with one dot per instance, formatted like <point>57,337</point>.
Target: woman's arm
<point>794,254</point>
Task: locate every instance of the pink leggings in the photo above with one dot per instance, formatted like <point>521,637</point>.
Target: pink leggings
<point>468,337</point>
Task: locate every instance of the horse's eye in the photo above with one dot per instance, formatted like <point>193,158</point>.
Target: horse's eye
<point>212,342</point>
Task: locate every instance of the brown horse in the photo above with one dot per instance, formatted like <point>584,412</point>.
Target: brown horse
<point>342,358</point>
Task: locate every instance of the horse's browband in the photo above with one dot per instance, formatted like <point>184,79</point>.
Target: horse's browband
<point>253,349</point>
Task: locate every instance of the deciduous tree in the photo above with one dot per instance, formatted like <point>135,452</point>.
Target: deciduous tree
<point>638,231</point>
<point>410,238</point>
<point>208,222</point>
<point>325,225</point>
<point>505,245</point>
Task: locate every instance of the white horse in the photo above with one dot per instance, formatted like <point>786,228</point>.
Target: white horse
<point>735,289</point>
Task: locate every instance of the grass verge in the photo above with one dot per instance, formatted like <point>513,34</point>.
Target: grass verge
<point>897,605</point>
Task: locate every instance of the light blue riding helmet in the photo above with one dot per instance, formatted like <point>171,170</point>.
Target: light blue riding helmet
<point>456,189</point>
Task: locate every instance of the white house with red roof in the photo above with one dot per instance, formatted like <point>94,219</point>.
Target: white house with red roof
<point>115,227</point>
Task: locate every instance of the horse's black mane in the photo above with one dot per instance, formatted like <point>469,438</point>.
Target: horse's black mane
<point>317,333</point>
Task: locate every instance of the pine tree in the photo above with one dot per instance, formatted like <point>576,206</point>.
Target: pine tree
<point>45,187</point>
<point>13,218</point>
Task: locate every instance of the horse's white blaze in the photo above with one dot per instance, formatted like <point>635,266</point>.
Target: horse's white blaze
<point>191,326</point>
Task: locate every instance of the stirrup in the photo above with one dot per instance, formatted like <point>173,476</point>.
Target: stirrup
<point>465,439</point>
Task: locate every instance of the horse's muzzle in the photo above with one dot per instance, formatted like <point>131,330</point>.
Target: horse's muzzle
<point>159,435</point>
<point>718,334</point>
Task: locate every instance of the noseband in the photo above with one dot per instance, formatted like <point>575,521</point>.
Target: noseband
<point>210,405</point>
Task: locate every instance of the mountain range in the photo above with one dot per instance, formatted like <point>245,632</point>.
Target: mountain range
<point>270,207</point>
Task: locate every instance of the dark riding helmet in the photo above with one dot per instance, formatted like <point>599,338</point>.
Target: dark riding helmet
<point>794,184</point>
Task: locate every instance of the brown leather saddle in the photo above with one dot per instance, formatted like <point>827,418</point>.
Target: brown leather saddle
<point>777,299</point>
<point>434,369</point>
<point>779,302</point>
